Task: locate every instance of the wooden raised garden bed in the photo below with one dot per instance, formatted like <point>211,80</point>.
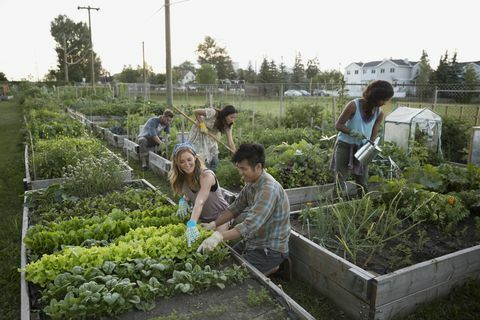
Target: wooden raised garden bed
<point>31,184</point>
<point>270,302</point>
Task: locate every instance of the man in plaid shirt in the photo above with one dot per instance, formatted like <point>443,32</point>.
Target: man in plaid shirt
<point>265,214</point>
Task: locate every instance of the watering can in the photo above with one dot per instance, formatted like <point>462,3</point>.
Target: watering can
<point>368,151</point>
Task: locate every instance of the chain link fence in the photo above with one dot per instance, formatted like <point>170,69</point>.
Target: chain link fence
<point>448,100</point>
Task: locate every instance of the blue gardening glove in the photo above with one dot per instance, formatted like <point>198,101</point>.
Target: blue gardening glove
<point>182,210</point>
<point>356,134</point>
<point>192,232</point>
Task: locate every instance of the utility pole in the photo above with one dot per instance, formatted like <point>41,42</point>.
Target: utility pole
<point>168,55</point>
<point>91,42</point>
<point>65,63</point>
<point>144,73</point>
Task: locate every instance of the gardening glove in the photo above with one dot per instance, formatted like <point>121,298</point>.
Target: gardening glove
<point>182,210</point>
<point>192,232</point>
<point>203,127</point>
<point>210,226</point>
<point>211,242</point>
<point>356,134</point>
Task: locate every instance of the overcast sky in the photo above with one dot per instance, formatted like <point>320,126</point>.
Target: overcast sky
<point>337,32</point>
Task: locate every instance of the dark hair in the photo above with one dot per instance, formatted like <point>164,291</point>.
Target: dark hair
<point>376,91</point>
<point>252,152</point>
<point>221,121</point>
<point>168,113</point>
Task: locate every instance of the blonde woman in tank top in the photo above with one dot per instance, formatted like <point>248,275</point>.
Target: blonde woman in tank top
<point>198,186</point>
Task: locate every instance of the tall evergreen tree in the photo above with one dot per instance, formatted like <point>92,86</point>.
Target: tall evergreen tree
<point>250,75</point>
<point>313,68</point>
<point>282,73</point>
<point>441,74</point>
<point>422,79</point>
<point>298,73</point>
<point>264,76</point>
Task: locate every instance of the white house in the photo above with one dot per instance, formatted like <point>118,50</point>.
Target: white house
<point>395,71</point>
<point>474,64</point>
<point>187,77</point>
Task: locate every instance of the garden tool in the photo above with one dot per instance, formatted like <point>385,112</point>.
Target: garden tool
<point>368,151</point>
<point>194,122</point>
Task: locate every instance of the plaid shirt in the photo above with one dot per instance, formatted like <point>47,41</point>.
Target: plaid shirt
<point>266,213</point>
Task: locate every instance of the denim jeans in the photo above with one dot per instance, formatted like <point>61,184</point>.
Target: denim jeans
<point>262,259</point>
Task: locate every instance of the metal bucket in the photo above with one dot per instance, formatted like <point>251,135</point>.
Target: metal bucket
<point>368,151</point>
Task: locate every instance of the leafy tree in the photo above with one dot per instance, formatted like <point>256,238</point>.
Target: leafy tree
<point>187,66</point>
<point>206,74</point>
<point>209,52</point>
<point>423,77</point>
<point>179,71</point>
<point>3,77</point>
<point>250,74</point>
<point>73,39</point>
<point>158,78</point>
<point>241,74</point>
<point>328,77</point>
<point>298,74</point>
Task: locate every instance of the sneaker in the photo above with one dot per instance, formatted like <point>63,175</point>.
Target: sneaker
<point>144,167</point>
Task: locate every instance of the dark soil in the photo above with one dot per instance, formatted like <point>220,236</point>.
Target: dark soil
<point>422,243</point>
<point>248,300</point>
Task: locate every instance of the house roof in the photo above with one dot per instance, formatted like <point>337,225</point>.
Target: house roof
<point>399,62</point>
<point>372,63</point>
<point>462,64</point>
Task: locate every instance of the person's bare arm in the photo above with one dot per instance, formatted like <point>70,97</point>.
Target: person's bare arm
<point>376,126</point>
<point>230,141</point>
<point>199,114</point>
<point>207,180</point>
<point>157,139</point>
<point>347,114</point>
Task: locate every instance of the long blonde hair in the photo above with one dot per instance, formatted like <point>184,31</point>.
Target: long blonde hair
<point>177,177</point>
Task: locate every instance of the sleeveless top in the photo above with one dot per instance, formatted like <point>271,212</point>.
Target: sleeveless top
<point>213,206</point>
<point>357,123</point>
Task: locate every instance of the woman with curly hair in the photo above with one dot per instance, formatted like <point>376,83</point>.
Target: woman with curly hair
<point>360,120</point>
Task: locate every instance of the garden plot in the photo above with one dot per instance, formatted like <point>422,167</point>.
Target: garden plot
<point>49,171</point>
<point>394,264</point>
<point>126,250</point>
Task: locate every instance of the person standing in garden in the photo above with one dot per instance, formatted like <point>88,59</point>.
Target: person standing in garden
<point>263,211</point>
<point>360,120</point>
<point>212,121</point>
<point>197,185</point>
<point>150,134</point>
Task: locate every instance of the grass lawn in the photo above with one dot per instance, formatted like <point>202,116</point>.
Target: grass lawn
<point>11,191</point>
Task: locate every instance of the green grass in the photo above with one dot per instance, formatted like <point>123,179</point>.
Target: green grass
<point>11,190</point>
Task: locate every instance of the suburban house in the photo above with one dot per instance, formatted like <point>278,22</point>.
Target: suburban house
<point>187,77</point>
<point>396,71</point>
<point>399,72</point>
<point>474,64</point>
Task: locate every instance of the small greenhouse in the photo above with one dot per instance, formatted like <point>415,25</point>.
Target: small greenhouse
<point>405,124</point>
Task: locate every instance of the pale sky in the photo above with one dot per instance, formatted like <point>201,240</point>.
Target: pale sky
<point>337,32</point>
